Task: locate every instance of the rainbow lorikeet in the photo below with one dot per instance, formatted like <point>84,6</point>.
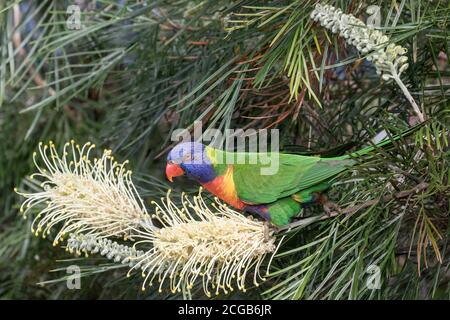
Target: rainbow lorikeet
<point>276,197</point>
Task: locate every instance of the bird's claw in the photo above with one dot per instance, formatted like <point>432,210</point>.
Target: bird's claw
<point>331,209</point>
<point>268,227</point>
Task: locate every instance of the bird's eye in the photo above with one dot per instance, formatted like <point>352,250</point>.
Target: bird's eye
<point>171,162</point>
<point>187,157</point>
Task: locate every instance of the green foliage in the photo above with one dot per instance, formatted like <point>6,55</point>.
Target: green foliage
<point>135,72</point>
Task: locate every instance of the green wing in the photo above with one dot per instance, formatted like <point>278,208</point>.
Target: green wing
<point>294,173</point>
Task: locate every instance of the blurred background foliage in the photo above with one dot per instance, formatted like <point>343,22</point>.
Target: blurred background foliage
<point>137,70</point>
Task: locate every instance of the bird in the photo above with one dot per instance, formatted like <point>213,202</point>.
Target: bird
<point>279,197</point>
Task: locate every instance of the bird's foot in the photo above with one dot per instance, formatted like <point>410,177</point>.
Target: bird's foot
<point>331,209</point>
<point>268,230</point>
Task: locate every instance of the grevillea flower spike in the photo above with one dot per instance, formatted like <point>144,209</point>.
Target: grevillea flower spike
<point>388,58</point>
<point>91,200</point>
<point>81,243</point>
<point>82,194</point>
<point>220,247</point>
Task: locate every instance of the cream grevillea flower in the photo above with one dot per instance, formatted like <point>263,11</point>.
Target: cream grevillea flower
<point>388,57</point>
<point>82,194</point>
<point>81,243</point>
<point>219,248</point>
<point>91,199</point>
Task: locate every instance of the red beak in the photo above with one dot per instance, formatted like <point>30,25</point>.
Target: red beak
<point>173,170</point>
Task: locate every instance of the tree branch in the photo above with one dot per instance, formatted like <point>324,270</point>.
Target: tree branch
<point>353,209</point>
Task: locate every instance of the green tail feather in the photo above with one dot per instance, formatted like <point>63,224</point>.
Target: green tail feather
<point>386,142</point>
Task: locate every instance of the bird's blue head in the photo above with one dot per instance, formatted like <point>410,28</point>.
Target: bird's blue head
<point>190,158</point>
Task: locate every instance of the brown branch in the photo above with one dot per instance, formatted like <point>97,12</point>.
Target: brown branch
<point>353,209</point>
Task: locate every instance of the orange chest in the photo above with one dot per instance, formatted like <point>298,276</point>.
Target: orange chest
<point>223,187</point>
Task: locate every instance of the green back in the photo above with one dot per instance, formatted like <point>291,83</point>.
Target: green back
<point>294,173</point>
